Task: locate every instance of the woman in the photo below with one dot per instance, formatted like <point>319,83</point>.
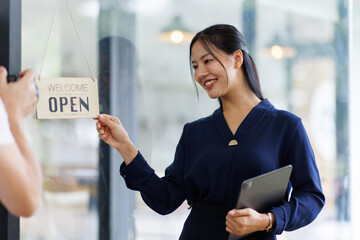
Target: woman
<point>243,138</point>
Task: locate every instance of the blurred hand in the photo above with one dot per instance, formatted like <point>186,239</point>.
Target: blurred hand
<point>245,221</point>
<point>19,97</point>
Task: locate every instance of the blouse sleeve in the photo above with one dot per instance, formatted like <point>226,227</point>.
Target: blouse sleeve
<point>164,194</point>
<point>307,198</point>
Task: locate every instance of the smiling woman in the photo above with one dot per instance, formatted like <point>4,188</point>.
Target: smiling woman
<point>207,169</point>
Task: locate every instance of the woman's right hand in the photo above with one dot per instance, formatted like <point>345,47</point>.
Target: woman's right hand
<point>111,130</point>
<point>113,133</point>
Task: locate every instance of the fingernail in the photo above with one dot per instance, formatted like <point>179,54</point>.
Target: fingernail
<point>101,116</point>
<point>232,212</point>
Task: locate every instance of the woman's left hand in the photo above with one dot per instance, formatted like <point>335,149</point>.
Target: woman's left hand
<point>245,221</point>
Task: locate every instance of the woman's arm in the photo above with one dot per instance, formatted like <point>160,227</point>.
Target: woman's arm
<point>307,198</point>
<point>164,194</point>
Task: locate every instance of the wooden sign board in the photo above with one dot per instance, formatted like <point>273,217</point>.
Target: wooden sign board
<point>67,98</point>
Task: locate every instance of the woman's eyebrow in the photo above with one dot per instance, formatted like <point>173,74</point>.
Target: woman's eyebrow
<point>203,56</point>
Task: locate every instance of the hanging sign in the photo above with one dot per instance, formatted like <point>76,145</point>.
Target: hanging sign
<point>67,98</point>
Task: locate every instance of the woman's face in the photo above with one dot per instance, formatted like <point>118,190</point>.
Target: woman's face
<point>209,73</point>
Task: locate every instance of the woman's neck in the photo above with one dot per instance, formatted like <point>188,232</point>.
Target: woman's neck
<point>236,107</point>
<point>240,102</point>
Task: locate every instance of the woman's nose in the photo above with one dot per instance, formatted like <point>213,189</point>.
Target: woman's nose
<point>202,72</point>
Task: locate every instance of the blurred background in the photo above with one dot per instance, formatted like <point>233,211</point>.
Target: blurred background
<point>307,53</point>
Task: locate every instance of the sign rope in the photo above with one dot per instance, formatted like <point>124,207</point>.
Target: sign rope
<point>77,33</point>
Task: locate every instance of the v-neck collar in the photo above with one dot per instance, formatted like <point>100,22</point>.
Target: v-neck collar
<point>255,114</point>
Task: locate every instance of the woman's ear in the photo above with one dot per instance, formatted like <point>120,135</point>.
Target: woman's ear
<point>238,56</point>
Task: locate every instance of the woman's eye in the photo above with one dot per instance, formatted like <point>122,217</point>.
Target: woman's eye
<point>207,61</point>
<point>194,67</point>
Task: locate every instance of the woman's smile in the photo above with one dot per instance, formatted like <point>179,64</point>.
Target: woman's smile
<point>209,83</point>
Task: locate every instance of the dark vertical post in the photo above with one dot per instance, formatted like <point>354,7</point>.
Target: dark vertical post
<point>10,57</point>
<point>104,149</point>
<point>9,227</point>
<point>123,105</point>
<point>117,95</point>
<point>342,109</point>
<point>10,37</point>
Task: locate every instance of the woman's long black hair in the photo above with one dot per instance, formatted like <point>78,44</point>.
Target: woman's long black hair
<point>228,39</point>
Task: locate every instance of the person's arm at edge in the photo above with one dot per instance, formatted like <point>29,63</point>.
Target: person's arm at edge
<point>20,172</point>
<point>21,176</point>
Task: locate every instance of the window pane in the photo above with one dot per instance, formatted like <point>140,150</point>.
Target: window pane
<point>67,149</point>
<point>310,78</point>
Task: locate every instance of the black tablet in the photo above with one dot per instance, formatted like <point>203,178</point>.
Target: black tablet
<point>264,191</point>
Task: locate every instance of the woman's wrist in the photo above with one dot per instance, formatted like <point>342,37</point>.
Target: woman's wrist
<point>264,222</point>
<point>271,222</point>
<point>128,151</point>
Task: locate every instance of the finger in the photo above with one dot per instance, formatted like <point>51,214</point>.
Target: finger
<point>115,119</point>
<point>28,74</point>
<point>235,225</point>
<point>33,90</point>
<point>112,118</point>
<point>230,227</point>
<point>231,221</point>
<point>98,125</point>
<point>106,121</point>
<point>35,101</point>
<point>101,124</point>
<point>101,130</point>
<point>97,117</point>
<point>3,74</point>
<point>239,212</point>
<point>229,230</point>
<point>102,136</point>
<point>105,115</point>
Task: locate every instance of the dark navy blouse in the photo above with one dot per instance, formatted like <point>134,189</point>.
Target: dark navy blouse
<point>207,169</point>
